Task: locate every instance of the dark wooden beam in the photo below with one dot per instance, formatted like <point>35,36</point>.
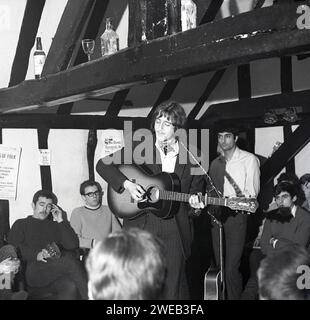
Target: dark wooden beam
<point>290,166</point>
<point>137,19</point>
<point>155,19</point>
<point>255,107</point>
<point>4,215</point>
<point>164,95</point>
<point>117,103</point>
<point>212,11</point>
<point>26,40</point>
<point>244,81</point>
<point>286,77</point>
<point>212,84</point>
<point>55,121</point>
<point>46,177</point>
<point>91,148</point>
<point>68,35</point>
<point>287,151</point>
<point>93,25</point>
<point>171,85</point>
<point>270,32</point>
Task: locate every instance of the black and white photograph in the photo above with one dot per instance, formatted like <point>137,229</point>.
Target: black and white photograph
<point>154,154</point>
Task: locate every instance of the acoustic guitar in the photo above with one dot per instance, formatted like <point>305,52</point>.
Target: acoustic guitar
<point>161,196</point>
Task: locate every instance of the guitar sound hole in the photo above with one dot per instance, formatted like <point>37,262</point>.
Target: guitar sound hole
<point>152,194</point>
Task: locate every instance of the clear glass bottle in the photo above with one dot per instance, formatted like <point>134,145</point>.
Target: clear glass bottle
<point>188,14</point>
<point>109,40</point>
<point>38,58</point>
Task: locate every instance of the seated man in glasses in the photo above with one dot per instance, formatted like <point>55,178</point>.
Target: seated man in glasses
<point>93,221</point>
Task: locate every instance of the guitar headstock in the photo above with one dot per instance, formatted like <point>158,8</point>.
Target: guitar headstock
<point>243,204</point>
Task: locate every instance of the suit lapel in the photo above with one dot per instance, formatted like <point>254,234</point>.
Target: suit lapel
<point>179,168</point>
<point>156,167</point>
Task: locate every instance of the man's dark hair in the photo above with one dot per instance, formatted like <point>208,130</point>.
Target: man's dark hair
<point>173,111</point>
<point>227,127</point>
<point>285,186</point>
<point>305,178</point>
<point>89,183</point>
<point>44,194</point>
<point>278,276</point>
<point>288,177</point>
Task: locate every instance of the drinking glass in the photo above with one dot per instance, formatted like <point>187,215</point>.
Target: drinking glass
<point>88,46</point>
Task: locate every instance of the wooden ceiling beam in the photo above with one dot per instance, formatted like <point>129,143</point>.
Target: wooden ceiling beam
<point>255,107</point>
<point>26,40</point>
<point>286,152</point>
<point>55,121</point>
<point>67,36</point>
<point>258,34</point>
<point>171,85</point>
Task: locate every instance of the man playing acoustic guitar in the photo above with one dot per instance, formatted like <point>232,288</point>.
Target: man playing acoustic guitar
<point>175,231</point>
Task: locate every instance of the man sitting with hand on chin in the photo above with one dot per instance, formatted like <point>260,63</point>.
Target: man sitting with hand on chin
<point>43,242</point>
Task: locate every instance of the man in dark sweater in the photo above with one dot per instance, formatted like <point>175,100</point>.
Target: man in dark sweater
<point>62,273</point>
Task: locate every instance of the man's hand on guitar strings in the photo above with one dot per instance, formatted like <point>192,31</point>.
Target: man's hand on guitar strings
<point>135,190</point>
<point>196,202</point>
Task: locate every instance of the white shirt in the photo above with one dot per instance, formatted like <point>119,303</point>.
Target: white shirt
<point>168,161</point>
<point>244,169</point>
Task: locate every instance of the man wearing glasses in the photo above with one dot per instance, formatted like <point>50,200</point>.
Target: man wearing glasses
<point>93,221</point>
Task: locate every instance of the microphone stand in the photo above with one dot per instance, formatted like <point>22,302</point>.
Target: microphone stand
<point>219,223</point>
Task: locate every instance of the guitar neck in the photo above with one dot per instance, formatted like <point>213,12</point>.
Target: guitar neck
<point>184,197</point>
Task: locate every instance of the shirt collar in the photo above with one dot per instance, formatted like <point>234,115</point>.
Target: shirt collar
<point>173,149</point>
<point>293,210</point>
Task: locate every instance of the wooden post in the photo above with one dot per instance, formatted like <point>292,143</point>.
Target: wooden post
<point>91,147</point>
<point>156,25</point>
<point>136,20</point>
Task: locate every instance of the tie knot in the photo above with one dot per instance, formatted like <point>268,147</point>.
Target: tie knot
<point>166,148</point>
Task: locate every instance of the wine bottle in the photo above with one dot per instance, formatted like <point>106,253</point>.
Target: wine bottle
<point>109,40</point>
<point>188,14</point>
<point>38,58</point>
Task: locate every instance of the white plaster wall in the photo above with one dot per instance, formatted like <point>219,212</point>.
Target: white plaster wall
<point>29,180</point>
<point>68,165</point>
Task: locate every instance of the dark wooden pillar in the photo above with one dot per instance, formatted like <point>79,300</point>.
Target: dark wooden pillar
<point>91,147</point>
<point>46,179</point>
<point>4,215</point>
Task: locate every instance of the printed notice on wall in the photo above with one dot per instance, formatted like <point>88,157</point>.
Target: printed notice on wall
<point>44,157</point>
<point>112,140</point>
<point>9,166</point>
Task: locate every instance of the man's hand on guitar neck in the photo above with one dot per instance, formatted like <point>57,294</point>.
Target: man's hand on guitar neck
<point>135,190</point>
<point>196,202</point>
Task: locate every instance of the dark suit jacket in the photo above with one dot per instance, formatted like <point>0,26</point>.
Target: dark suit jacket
<point>189,184</point>
<point>293,231</point>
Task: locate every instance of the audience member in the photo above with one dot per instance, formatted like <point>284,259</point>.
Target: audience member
<point>35,235</point>
<point>305,185</point>
<point>128,264</point>
<point>289,224</point>
<point>9,267</point>
<point>93,221</point>
<point>279,275</point>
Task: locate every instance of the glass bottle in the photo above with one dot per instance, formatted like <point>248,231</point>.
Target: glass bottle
<point>109,40</point>
<point>38,58</point>
<point>188,14</point>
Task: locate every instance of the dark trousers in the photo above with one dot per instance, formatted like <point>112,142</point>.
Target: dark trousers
<point>42,274</point>
<point>176,286</point>
<point>234,230</point>
<point>250,291</point>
